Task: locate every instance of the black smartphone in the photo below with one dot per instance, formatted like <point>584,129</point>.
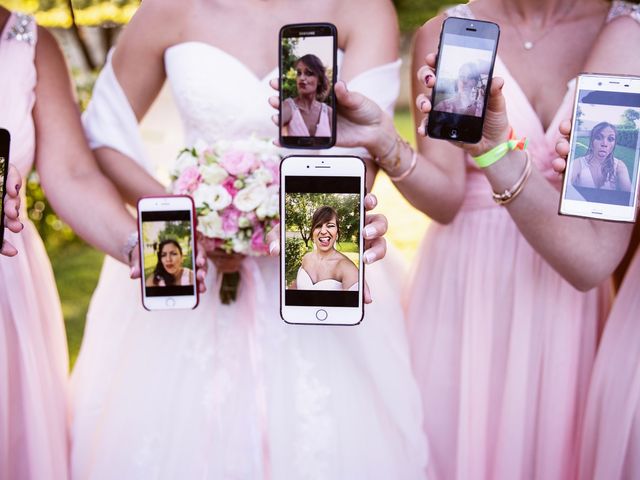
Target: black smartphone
<point>307,61</point>
<point>464,69</point>
<point>5,140</point>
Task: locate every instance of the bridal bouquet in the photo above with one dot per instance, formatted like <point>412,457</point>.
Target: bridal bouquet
<point>234,185</point>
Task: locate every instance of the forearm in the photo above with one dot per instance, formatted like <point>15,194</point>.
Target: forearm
<point>585,252</point>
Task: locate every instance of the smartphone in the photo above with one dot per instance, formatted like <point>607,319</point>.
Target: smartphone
<point>601,179</point>
<point>321,222</point>
<point>464,70</point>
<point>167,252</point>
<point>307,61</point>
<point>5,140</point>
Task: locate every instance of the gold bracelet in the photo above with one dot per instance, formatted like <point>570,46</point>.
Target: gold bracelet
<point>509,195</point>
<point>407,172</point>
<point>396,160</point>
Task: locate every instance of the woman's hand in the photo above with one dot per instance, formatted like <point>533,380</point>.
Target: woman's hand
<point>496,124</point>
<point>12,209</point>
<point>202,265</point>
<point>562,147</point>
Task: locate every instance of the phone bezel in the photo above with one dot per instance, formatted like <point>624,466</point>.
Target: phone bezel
<point>159,204</point>
<point>322,166</point>
<point>445,121</point>
<point>5,147</point>
<point>596,210</point>
<point>319,29</point>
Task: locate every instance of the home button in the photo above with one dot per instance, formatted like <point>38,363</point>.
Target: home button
<point>322,315</point>
<point>170,302</point>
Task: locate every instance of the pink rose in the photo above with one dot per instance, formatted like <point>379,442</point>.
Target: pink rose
<point>274,168</point>
<point>210,244</point>
<point>258,244</point>
<point>228,186</point>
<point>189,180</point>
<point>238,163</point>
<point>230,218</point>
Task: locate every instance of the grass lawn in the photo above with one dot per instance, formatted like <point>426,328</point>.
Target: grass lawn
<point>77,267</point>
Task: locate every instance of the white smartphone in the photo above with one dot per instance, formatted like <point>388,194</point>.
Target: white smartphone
<point>321,222</point>
<point>601,179</point>
<point>167,252</point>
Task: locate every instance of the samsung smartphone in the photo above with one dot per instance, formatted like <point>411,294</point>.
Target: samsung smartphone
<point>321,208</point>
<point>167,252</point>
<point>5,140</point>
<point>464,70</point>
<point>601,179</point>
<point>308,70</point>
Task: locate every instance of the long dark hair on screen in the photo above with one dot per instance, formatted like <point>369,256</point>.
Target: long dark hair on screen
<point>608,166</point>
<point>160,273</point>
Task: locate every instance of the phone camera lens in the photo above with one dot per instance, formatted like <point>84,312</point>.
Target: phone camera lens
<point>599,84</point>
<point>307,166</point>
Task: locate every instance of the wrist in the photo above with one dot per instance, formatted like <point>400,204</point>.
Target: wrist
<point>129,246</point>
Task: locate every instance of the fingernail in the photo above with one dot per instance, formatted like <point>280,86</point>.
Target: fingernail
<point>427,77</point>
<point>21,226</point>
<point>273,246</point>
<point>369,231</point>
<point>131,271</point>
<point>18,210</point>
<point>369,257</point>
<point>422,104</point>
<point>17,188</point>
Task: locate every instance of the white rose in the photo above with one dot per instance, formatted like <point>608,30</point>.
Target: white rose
<point>213,196</point>
<point>271,205</point>
<point>213,174</point>
<point>262,175</point>
<point>200,145</point>
<point>248,199</point>
<point>211,225</point>
<point>241,245</point>
<point>184,161</point>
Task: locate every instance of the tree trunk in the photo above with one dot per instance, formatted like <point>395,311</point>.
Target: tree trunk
<point>77,34</point>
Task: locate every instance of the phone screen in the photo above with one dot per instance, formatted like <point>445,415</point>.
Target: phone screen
<point>307,75</point>
<point>602,171</point>
<point>167,249</point>
<point>465,65</point>
<point>4,167</point>
<point>322,241</point>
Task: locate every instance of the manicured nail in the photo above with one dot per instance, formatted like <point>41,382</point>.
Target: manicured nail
<point>18,210</point>
<point>273,246</point>
<point>369,257</point>
<point>17,188</point>
<point>369,232</point>
<point>131,271</point>
<point>422,104</point>
<point>427,77</point>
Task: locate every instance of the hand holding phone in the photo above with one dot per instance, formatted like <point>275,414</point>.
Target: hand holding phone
<point>10,183</point>
<point>464,70</point>
<point>307,60</point>
<point>321,217</point>
<point>167,251</point>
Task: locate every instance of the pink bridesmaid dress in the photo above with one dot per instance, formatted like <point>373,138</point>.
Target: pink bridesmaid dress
<point>33,349</point>
<point>610,437</point>
<point>502,345</point>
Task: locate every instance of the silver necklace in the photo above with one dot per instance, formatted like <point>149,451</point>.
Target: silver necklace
<point>528,44</point>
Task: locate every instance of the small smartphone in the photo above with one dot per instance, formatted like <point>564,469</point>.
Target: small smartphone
<point>167,252</point>
<point>308,69</point>
<point>321,221</point>
<point>464,70</point>
<point>601,179</point>
<point>5,140</point>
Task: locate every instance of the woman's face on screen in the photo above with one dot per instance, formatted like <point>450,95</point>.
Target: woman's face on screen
<point>324,236</point>
<point>306,79</point>
<point>604,142</point>
<point>171,258</point>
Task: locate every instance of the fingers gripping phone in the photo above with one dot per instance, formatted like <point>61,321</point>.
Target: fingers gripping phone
<point>307,60</point>
<point>601,179</point>
<point>466,57</point>
<point>167,252</point>
<point>5,140</point>
<point>321,208</point>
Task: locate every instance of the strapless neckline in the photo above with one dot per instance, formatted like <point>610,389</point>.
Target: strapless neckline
<point>319,285</point>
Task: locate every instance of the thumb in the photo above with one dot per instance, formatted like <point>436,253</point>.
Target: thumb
<point>347,99</point>
<point>496,101</point>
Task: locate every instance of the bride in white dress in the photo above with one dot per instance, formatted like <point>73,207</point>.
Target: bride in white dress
<point>227,392</point>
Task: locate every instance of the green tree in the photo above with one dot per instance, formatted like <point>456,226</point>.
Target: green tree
<point>629,117</point>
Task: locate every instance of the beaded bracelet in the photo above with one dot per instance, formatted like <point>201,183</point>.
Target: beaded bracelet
<point>499,151</point>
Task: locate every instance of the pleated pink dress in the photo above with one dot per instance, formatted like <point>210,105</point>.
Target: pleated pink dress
<point>502,346</point>
<point>33,350</point>
<point>610,437</point>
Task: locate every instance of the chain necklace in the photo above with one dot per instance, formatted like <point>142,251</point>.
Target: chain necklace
<point>529,43</point>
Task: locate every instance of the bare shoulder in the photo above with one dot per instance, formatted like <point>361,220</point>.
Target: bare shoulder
<point>306,259</point>
<point>346,265</point>
<point>427,37</point>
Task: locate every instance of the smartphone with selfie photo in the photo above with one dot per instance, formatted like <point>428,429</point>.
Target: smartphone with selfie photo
<point>167,252</point>
<point>321,222</point>
<point>601,178</point>
<point>5,140</point>
<point>464,69</point>
<point>308,70</point>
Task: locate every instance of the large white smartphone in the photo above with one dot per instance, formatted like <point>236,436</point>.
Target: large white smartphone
<point>601,179</point>
<point>322,215</point>
<point>167,252</point>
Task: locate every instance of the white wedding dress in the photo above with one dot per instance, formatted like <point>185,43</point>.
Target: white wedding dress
<point>232,392</point>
